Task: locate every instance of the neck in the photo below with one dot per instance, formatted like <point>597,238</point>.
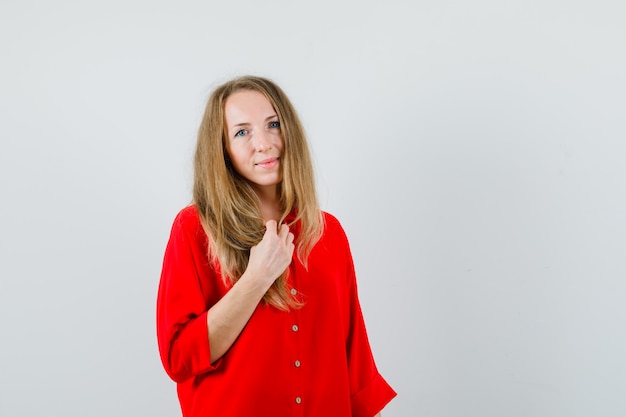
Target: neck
<point>269,203</point>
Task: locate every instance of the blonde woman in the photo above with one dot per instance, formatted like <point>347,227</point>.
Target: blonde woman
<point>257,311</point>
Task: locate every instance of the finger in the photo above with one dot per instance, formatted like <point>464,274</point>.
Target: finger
<point>283,232</point>
<point>290,238</point>
<point>271,227</point>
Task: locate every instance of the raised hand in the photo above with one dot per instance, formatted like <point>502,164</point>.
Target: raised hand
<point>269,259</point>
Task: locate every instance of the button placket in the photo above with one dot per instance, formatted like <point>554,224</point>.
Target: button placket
<point>295,356</point>
<point>296,363</point>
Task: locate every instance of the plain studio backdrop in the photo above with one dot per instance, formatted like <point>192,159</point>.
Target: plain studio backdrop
<point>474,152</point>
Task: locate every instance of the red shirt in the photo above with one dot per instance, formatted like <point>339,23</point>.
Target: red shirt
<point>314,361</point>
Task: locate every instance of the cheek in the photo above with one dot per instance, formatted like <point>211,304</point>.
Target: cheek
<point>237,154</point>
<point>280,143</point>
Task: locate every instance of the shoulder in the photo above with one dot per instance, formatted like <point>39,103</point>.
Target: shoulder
<point>189,213</point>
<point>330,221</point>
<point>333,228</point>
<point>187,220</point>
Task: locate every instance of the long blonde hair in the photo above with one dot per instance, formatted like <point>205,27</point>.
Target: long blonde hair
<point>227,205</point>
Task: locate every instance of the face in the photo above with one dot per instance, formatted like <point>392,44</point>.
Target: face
<point>254,140</point>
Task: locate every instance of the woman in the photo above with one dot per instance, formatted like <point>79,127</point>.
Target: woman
<point>257,310</point>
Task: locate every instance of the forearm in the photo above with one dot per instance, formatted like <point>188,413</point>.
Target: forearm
<point>268,260</point>
<point>228,317</point>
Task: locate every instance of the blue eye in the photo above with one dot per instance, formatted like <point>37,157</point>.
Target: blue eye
<point>240,133</point>
<point>275,124</point>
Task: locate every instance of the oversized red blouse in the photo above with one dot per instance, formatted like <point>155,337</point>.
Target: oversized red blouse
<point>314,361</point>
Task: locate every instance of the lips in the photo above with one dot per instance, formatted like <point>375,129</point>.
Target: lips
<point>268,163</point>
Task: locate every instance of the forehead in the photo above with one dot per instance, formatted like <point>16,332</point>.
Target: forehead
<point>247,106</point>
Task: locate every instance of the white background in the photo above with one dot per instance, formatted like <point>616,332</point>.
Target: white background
<point>474,152</point>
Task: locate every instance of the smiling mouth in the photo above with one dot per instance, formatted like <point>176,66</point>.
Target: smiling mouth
<point>268,163</point>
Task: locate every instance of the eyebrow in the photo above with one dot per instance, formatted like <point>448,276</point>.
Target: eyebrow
<point>248,123</point>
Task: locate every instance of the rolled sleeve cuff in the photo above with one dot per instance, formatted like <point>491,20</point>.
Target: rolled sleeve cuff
<point>196,348</point>
<point>372,398</point>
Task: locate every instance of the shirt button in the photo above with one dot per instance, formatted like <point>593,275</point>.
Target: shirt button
<point>297,363</point>
<point>294,327</point>
<point>294,291</point>
<point>298,400</point>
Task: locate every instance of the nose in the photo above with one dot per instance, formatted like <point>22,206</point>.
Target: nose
<point>261,141</point>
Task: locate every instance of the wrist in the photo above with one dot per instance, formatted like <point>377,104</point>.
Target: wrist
<point>251,282</point>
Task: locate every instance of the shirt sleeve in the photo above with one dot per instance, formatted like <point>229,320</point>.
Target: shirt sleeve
<point>369,390</point>
<point>182,330</point>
